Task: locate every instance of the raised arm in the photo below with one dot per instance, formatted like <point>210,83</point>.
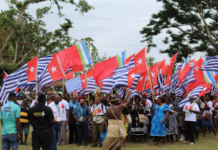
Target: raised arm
<point>128,98</point>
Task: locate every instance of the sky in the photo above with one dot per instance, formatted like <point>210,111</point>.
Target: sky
<point>114,25</point>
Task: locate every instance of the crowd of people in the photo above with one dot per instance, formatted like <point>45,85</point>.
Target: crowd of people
<point>97,120</point>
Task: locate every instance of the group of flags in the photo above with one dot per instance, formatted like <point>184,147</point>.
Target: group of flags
<point>192,78</point>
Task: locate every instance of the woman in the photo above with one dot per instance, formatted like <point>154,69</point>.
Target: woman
<point>207,110</point>
<point>137,127</point>
<point>159,120</point>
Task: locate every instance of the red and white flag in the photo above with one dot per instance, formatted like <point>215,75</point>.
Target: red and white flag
<point>32,69</point>
<point>55,70</point>
<point>5,75</point>
<point>167,71</point>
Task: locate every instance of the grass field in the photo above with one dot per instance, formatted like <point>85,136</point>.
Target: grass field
<point>203,144</point>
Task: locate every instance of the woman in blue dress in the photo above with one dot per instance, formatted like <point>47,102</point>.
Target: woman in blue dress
<point>158,128</point>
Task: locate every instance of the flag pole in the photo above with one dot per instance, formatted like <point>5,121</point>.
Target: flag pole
<point>63,73</point>
<point>4,93</point>
<point>25,94</point>
<point>36,77</point>
<point>87,89</point>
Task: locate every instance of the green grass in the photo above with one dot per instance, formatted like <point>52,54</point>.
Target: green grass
<point>203,144</point>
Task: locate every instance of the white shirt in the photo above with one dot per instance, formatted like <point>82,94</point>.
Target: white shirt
<point>63,105</point>
<point>148,106</point>
<point>190,116</point>
<point>209,104</point>
<point>34,101</point>
<point>98,109</point>
<point>55,111</point>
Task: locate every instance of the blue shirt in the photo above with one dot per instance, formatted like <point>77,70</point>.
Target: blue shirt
<point>9,113</point>
<point>73,105</point>
<point>81,112</point>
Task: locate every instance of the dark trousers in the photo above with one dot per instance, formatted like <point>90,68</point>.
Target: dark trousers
<point>82,130</point>
<point>190,130</point>
<point>41,138</point>
<point>55,131</point>
<point>73,133</point>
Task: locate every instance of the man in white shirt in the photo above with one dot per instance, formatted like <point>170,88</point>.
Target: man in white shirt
<point>207,110</point>
<point>190,112</point>
<point>98,110</point>
<point>56,128</point>
<point>64,114</point>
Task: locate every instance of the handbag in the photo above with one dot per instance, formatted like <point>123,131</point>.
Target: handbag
<point>207,115</point>
<point>129,119</point>
<point>142,118</point>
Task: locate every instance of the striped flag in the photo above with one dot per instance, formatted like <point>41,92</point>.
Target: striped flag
<point>91,85</point>
<point>120,92</point>
<point>73,84</point>
<point>175,79</point>
<point>195,92</point>
<point>211,64</point>
<point>188,79</point>
<point>161,79</point>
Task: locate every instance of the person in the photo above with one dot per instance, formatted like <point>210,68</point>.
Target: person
<point>190,111</point>
<point>81,114</point>
<point>98,110</point>
<point>175,101</point>
<point>24,121</point>
<point>207,122</point>
<point>137,126</point>
<point>20,93</point>
<point>56,112</point>
<point>10,120</point>
<point>20,101</point>
<point>42,119</point>
<point>51,100</point>
<point>116,131</point>
<point>199,118</point>
<point>159,120</point>
<point>72,121</point>
<point>90,125</point>
<point>64,110</point>
<point>172,117</point>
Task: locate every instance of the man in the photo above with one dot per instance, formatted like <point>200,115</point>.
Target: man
<point>42,119</point>
<point>190,112</point>
<point>56,112</point>
<point>72,121</point>
<point>10,120</point>
<point>98,110</point>
<point>81,114</point>
<point>64,113</point>
<point>116,131</point>
<point>19,101</point>
<point>24,121</point>
<point>175,101</point>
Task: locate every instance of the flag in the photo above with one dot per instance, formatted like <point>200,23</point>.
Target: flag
<point>194,93</point>
<point>184,64</point>
<point>161,65</point>
<point>197,72</point>
<point>90,73</point>
<point>70,75</point>
<point>55,70</point>
<point>154,72</point>
<point>175,79</point>
<point>211,64</point>
<point>5,75</point>
<point>184,71</point>
<point>91,86</point>
<point>129,58</point>
<point>169,67</point>
<point>206,89</point>
<point>161,79</point>
<point>216,78</point>
<point>32,69</point>
<point>75,56</point>
<point>120,92</point>
<point>188,79</point>
<point>105,69</point>
<point>141,82</point>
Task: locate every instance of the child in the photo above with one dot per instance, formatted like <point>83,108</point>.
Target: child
<point>172,130</point>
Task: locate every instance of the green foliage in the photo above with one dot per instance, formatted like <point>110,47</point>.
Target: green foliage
<point>151,61</point>
<point>190,25</point>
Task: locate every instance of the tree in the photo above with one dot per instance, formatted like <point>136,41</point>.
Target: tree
<point>191,26</point>
<point>25,35</point>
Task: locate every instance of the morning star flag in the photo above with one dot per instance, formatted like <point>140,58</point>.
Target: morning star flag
<point>167,71</point>
<point>194,93</point>
<point>32,69</point>
<point>106,68</point>
<point>188,79</point>
<point>75,56</point>
<point>91,85</point>
<point>211,64</point>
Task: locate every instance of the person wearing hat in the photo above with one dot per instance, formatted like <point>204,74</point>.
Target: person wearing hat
<point>98,110</point>
<point>24,121</point>
<point>116,131</point>
<point>82,114</point>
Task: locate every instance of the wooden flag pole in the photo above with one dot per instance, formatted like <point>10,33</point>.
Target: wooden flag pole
<point>36,78</point>
<point>4,93</point>
<point>87,89</point>
<point>63,73</point>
